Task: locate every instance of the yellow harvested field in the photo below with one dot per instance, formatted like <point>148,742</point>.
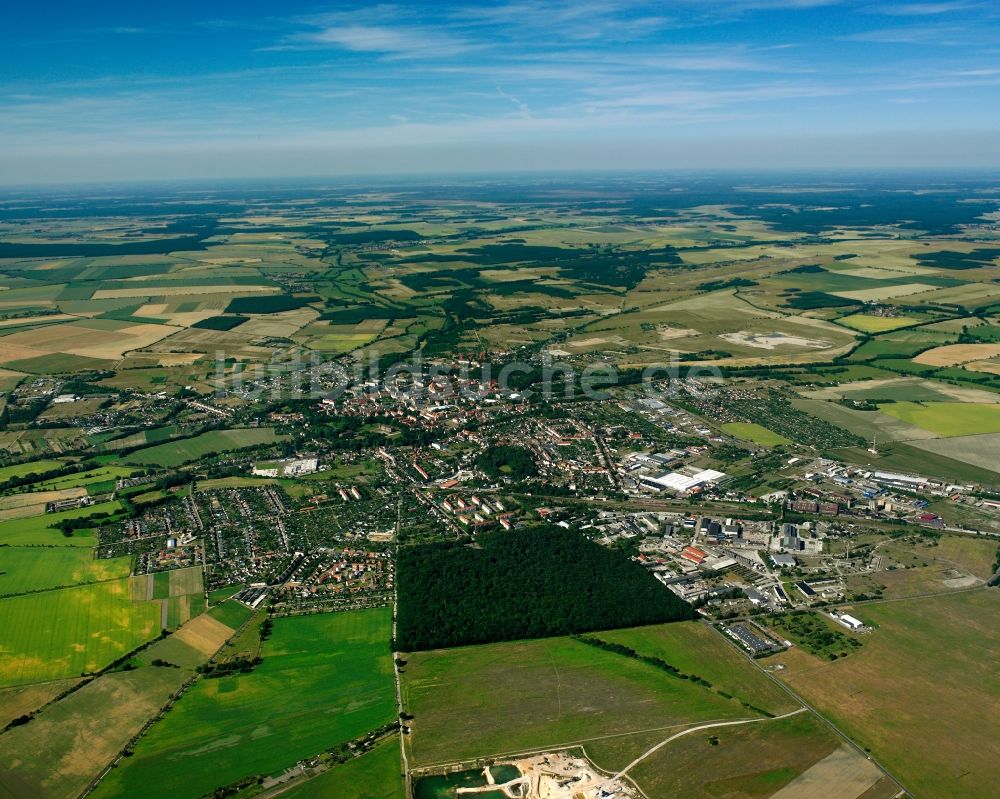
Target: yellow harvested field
<point>278,325</point>
<point>24,320</point>
<point>204,634</point>
<point>11,351</point>
<point>168,291</point>
<point>879,273</point>
<point>20,506</point>
<point>78,339</point>
<point>884,293</point>
<point>989,367</point>
<point>140,360</point>
<point>845,768</point>
<point>952,354</point>
<point>161,310</point>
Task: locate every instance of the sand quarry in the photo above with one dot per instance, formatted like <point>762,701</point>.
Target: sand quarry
<point>768,341</point>
<point>556,775</point>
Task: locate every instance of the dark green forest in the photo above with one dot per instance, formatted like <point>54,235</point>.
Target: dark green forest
<point>523,584</point>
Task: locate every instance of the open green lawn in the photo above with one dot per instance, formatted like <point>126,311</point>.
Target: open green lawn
<point>25,569</point>
<point>695,649</point>
<point>325,679</point>
<point>375,775</point>
<point>755,433</point>
<point>478,701</point>
<point>88,479</point>
<point>56,634</point>
<point>921,693</point>
<point>231,613</point>
<point>34,467</point>
<point>175,453</point>
<point>948,418</point>
<point>39,530</point>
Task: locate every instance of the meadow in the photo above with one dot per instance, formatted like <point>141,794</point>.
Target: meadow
<point>41,530</point>
<point>176,453</point>
<point>377,774</point>
<point>479,701</point>
<point>38,467</point>
<point>324,680</point>
<point>947,418</point>
<point>754,760</point>
<point>97,480</point>
<point>919,694</point>
<point>61,633</point>
<point>755,433</point>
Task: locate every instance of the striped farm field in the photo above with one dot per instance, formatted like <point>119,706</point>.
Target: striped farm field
<point>51,635</point>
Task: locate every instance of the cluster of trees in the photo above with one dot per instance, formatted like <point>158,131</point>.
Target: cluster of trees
<point>523,584</point>
<point>243,665</point>
<point>815,635</point>
<point>649,660</point>
<point>507,461</point>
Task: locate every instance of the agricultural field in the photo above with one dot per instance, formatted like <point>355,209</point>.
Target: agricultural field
<point>928,665</point>
<point>480,701</point>
<point>212,443</point>
<point>45,758</point>
<point>26,569</point>
<point>174,338</point>
<point>42,529</point>
<point>947,418</point>
<point>232,727</point>
<point>374,775</point>
<point>55,634</point>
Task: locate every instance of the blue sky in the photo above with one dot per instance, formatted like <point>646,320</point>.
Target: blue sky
<point>121,90</point>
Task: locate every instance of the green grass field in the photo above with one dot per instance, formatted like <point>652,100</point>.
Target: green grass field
<point>88,479</point>
<point>325,679</point>
<point>920,694</point>
<point>176,453</point>
<point>56,634</point>
<point>875,324</point>
<point>902,457</point>
<point>66,745</point>
<point>375,775</point>
<point>695,649</point>
<point>749,431</point>
<point>479,701</point>
<point>38,530</point>
<point>948,418</point>
<point>34,467</point>
<point>25,569</point>
<point>232,614</point>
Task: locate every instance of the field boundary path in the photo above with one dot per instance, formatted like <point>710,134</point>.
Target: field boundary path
<point>700,727</point>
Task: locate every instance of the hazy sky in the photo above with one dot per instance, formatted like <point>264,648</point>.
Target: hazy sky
<point>132,90</point>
